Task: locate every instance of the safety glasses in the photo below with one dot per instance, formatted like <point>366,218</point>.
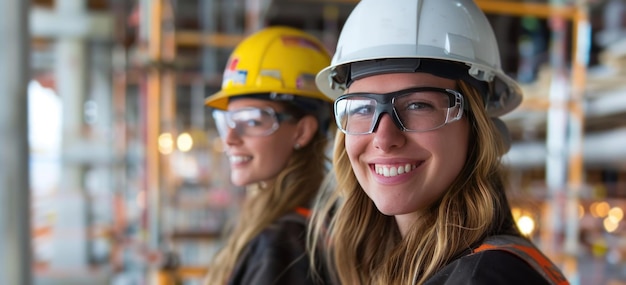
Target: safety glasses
<point>254,122</point>
<point>417,109</point>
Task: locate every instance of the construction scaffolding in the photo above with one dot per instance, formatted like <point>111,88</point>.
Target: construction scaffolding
<point>127,202</point>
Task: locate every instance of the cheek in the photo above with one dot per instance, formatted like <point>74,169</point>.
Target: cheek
<point>454,148</point>
<point>355,146</point>
<point>271,160</point>
<point>351,145</point>
<point>280,145</point>
<point>278,152</point>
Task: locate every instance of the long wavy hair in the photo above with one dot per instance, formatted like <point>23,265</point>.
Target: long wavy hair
<point>363,246</point>
<point>295,186</point>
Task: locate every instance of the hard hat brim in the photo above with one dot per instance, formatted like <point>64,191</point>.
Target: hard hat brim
<point>218,100</point>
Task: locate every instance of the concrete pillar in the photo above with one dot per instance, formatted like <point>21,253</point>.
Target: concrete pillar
<point>99,178</point>
<point>69,235</point>
<point>15,238</point>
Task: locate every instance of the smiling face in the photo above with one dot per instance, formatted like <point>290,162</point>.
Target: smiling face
<point>255,159</point>
<point>404,172</point>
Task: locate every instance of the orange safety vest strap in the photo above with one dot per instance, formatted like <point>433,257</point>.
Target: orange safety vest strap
<point>303,212</point>
<point>527,252</point>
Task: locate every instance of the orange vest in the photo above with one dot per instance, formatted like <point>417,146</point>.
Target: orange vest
<point>303,212</point>
<point>525,250</point>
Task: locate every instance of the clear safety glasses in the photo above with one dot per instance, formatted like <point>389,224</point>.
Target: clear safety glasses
<point>255,122</point>
<point>417,109</point>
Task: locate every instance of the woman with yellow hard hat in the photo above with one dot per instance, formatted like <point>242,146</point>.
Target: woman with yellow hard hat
<point>274,123</point>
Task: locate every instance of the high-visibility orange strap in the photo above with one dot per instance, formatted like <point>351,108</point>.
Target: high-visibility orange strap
<point>303,211</point>
<point>532,256</point>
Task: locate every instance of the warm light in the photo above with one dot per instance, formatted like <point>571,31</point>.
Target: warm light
<point>599,209</point>
<point>166,143</point>
<point>616,214</point>
<point>517,212</point>
<point>603,209</point>
<point>526,225</point>
<point>610,225</point>
<point>184,142</point>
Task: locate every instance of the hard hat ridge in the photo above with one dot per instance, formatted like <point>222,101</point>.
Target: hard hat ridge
<point>455,31</point>
<point>277,59</point>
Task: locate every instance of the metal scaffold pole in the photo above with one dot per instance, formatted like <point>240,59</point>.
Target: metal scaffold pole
<point>556,138</point>
<point>160,101</point>
<point>15,241</point>
<point>153,97</point>
<point>580,59</point>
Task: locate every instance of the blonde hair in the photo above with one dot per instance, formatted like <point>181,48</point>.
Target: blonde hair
<point>364,246</point>
<point>295,186</point>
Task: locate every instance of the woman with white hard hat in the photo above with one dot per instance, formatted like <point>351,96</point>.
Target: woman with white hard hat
<point>420,195</point>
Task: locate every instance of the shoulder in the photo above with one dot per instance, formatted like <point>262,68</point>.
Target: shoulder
<point>488,267</point>
<point>285,238</point>
<point>276,256</point>
<point>287,232</point>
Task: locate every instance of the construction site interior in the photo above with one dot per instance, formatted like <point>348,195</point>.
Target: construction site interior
<point>128,182</point>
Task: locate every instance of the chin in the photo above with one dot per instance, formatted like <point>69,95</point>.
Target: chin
<point>238,182</point>
<point>388,210</point>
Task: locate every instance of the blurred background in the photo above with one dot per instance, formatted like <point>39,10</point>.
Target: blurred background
<point>111,171</point>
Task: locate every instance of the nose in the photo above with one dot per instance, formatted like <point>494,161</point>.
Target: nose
<point>231,137</point>
<point>387,135</point>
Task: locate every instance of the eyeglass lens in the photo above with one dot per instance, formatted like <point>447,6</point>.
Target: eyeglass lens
<point>247,121</point>
<point>416,109</point>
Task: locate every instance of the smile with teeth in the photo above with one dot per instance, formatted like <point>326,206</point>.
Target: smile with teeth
<point>393,170</point>
<point>239,158</point>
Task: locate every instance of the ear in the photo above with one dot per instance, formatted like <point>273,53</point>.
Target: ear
<point>305,130</point>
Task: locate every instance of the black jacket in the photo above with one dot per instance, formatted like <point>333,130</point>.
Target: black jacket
<point>277,256</point>
<point>488,267</point>
<point>501,259</point>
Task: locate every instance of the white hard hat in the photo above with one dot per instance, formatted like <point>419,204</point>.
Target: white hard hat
<point>382,36</point>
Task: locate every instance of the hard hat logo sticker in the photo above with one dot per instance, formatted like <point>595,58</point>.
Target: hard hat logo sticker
<point>232,65</point>
<point>233,76</point>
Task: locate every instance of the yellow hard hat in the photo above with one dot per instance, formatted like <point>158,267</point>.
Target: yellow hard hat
<point>275,60</point>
